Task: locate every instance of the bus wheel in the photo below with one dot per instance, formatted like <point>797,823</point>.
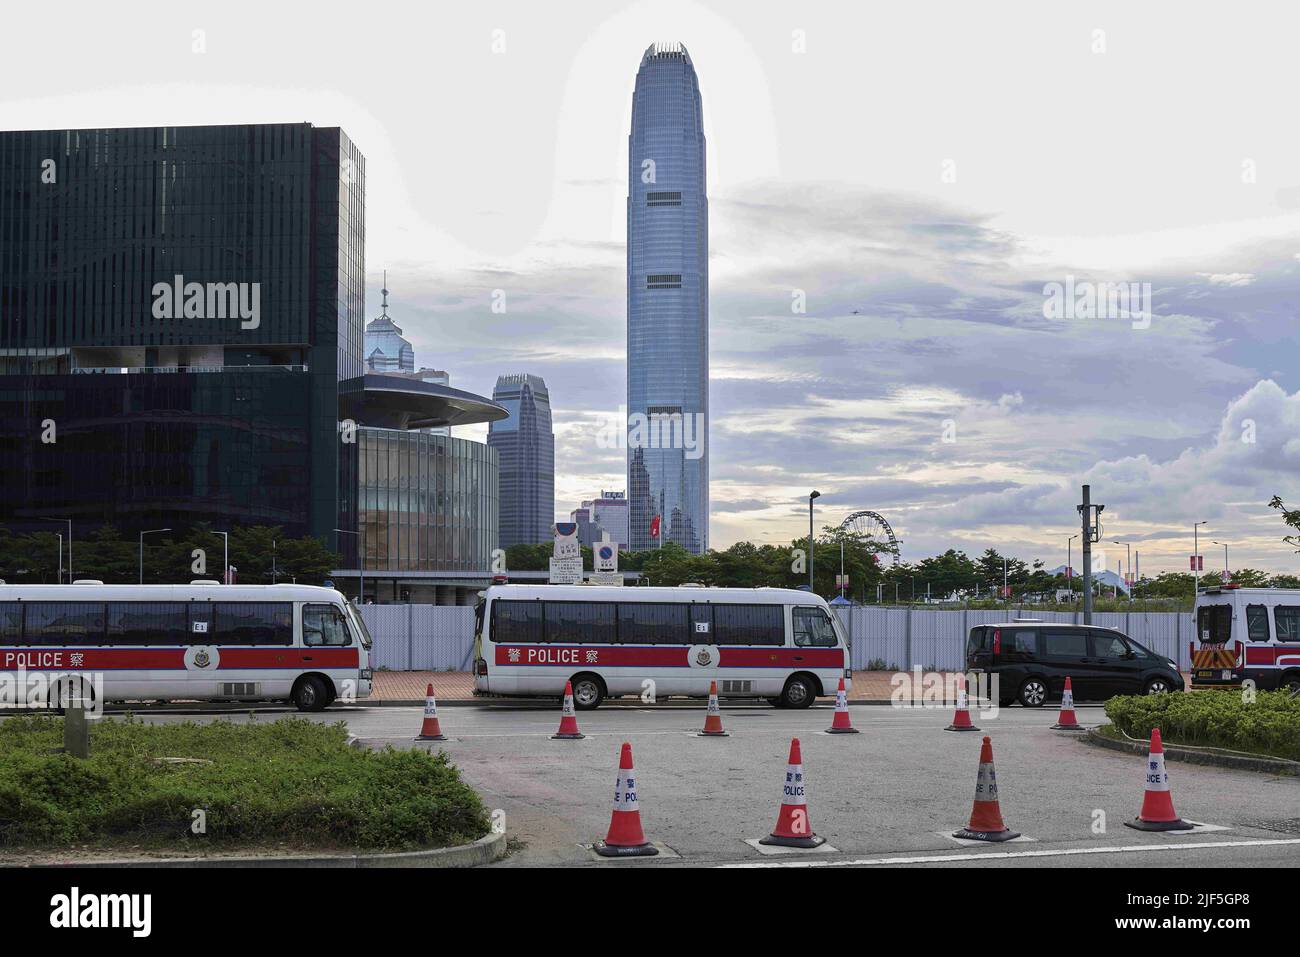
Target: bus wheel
<point>798,693</point>
<point>588,692</point>
<point>310,694</point>
<point>1290,683</point>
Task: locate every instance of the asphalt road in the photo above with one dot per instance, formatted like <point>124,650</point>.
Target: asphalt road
<point>891,794</point>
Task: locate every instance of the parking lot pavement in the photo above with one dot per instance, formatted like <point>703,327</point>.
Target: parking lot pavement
<point>896,790</point>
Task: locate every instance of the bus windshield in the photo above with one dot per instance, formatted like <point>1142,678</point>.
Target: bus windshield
<point>359,624</point>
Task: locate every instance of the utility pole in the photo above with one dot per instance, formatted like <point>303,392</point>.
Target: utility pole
<point>811,543</point>
<point>1090,515</point>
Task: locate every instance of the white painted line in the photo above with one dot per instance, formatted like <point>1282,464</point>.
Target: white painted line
<point>1007,855</point>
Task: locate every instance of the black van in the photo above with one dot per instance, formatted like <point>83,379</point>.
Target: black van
<point>1033,659</point>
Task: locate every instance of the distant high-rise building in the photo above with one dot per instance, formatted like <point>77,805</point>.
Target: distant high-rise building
<point>610,513</point>
<point>526,445</point>
<point>668,305</point>
<point>386,349</point>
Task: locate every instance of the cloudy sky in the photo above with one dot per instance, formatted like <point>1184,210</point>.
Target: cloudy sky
<point>917,171</point>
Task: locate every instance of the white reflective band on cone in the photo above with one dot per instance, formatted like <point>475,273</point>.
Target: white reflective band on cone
<point>986,784</point>
<point>431,708</point>
<point>961,699</point>
<point>841,700</point>
<point>1067,700</point>
<point>625,791</point>
<point>1157,777</point>
<point>568,705</point>
<point>793,791</point>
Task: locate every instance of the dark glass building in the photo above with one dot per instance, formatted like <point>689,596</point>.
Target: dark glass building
<point>178,309</point>
<point>525,442</point>
<point>667,305</point>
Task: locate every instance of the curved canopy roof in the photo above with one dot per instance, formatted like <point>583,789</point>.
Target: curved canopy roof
<point>397,402</point>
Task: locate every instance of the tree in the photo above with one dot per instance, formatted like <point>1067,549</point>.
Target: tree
<point>1290,517</point>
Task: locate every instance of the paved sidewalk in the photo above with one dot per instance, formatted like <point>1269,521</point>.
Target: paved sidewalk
<point>459,685</point>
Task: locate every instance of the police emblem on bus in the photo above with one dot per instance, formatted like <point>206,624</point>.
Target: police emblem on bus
<point>201,659</point>
<point>703,658</point>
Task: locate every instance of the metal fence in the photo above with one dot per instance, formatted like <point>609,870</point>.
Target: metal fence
<point>900,638</point>
<point>441,637</point>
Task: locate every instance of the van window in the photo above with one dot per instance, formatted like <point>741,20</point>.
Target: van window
<point>517,621</point>
<point>1023,641</point>
<point>748,625</point>
<point>651,623</point>
<point>1287,620</point>
<point>324,626</point>
<point>1214,624</point>
<point>580,622</point>
<point>978,640</point>
<point>1108,646</point>
<point>1065,644</point>
<point>1256,623</point>
<point>812,629</point>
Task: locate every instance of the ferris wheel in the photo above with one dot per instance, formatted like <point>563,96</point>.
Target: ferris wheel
<point>872,527</point>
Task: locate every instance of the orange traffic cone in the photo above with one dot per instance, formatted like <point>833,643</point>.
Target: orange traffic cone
<point>1066,721</point>
<point>840,724</point>
<point>625,837</point>
<point>961,716</point>
<point>713,720</point>
<point>1158,812</point>
<point>986,816</point>
<point>430,731</point>
<point>792,826</point>
<point>568,718</point>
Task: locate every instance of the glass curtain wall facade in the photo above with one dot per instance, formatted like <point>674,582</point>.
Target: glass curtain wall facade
<point>428,502</point>
<point>525,442</point>
<point>181,304</point>
<point>667,305</point>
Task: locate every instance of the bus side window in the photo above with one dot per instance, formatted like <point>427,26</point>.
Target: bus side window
<point>1287,620</point>
<point>1256,623</point>
<point>323,625</point>
<point>812,629</point>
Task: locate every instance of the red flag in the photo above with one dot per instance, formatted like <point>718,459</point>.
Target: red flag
<point>654,527</point>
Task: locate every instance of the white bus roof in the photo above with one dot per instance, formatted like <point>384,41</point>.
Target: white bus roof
<point>749,596</point>
<point>1291,593</point>
<point>212,592</point>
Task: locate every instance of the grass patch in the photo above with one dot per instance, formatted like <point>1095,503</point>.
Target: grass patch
<point>1270,725</point>
<point>291,783</point>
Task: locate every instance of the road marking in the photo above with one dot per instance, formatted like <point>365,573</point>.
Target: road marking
<point>1007,855</point>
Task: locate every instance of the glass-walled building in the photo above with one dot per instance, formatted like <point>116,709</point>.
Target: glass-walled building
<point>667,305</point>
<point>180,306</point>
<point>525,441</point>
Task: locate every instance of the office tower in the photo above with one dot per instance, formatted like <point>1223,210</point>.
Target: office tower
<point>386,349</point>
<point>667,305</point>
<point>526,446</point>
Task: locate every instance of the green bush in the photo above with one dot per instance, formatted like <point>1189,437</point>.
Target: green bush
<point>291,782</point>
<point>1220,719</point>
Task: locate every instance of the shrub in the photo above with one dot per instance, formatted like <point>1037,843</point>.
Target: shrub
<point>1221,719</point>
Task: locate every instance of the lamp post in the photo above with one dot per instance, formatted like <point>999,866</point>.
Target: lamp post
<point>1069,564</point>
<point>225,558</point>
<point>812,495</point>
<point>60,534</point>
<point>1227,573</point>
<point>361,566</point>
<point>1196,560</point>
<point>69,521</point>
<point>1128,562</point>
<point>148,531</point>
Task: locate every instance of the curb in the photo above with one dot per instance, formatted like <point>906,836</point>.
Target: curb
<point>1211,757</point>
<point>483,851</point>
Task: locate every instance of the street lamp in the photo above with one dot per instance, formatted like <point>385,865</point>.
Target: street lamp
<point>1227,573</point>
<point>1128,562</point>
<point>361,566</point>
<point>1069,563</point>
<point>69,521</point>
<point>148,531</point>
<point>1196,556</point>
<point>812,495</point>
<point>225,558</point>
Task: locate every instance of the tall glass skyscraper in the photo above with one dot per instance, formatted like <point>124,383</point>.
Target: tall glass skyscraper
<point>525,442</point>
<point>667,305</point>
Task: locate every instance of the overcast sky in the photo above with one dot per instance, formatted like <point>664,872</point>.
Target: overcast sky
<point>919,171</point>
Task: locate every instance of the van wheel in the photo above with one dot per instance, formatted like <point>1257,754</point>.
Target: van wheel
<point>775,702</point>
<point>798,693</point>
<point>1156,686</point>
<point>1290,683</point>
<point>310,694</point>
<point>588,692</point>
<point>1033,693</point>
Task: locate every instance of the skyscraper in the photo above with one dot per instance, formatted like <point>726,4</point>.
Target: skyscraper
<point>387,350</point>
<point>667,304</point>
<point>526,445</point>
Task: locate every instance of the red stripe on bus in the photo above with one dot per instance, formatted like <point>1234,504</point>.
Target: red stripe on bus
<point>673,656</point>
<point>173,659</point>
